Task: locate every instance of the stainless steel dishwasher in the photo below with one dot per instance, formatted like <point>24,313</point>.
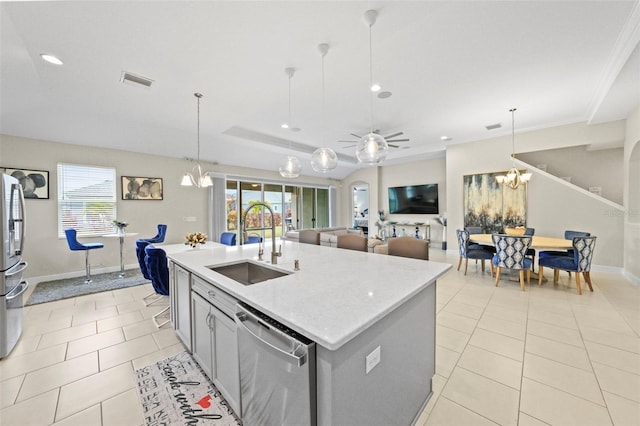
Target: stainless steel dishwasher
<point>277,371</point>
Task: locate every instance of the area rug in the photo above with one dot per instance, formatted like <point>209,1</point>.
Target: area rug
<point>176,391</point>
<point>48,291</point>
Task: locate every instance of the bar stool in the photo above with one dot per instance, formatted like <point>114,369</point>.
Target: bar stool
<point>75,245</point>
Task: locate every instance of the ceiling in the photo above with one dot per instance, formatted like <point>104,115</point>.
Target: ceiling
<point>452,67</point>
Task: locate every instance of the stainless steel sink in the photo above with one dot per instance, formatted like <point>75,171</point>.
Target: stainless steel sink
<point>248,273</point>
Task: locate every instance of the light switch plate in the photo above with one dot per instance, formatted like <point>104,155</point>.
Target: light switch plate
<point>189,218</point>
<point>372,360</point>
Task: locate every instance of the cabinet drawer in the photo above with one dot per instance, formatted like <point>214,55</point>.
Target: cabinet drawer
<point>222,300</point>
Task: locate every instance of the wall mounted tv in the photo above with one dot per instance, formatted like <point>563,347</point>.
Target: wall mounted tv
<point>414,199</point>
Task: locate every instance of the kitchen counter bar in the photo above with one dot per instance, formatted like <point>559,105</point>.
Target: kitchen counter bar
<point>336,294</point>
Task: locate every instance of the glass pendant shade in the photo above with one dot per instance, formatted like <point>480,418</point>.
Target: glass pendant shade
<point>197,177</point>
<point>372,149</point>
<point>291,167</point>
<point>324,160</point>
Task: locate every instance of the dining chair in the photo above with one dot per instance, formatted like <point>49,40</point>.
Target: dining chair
<point>228,238</point>
<point>75,245</point>
<point>580,262</point>
<point>156,261</point>
<point>511,253</point>
<point>309,236</point>
<point>531,253</point>
<point>352,242</point>
<point>468,251</point>
<point>408,247</point>
<point>159,237</point>
<point>568,235</point>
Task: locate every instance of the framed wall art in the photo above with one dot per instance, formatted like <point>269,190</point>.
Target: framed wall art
<point>493,206</point>
<point>141,188</point>
<point>35,183</point>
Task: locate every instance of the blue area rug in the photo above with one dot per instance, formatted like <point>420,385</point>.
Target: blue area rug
<point>49,291</point>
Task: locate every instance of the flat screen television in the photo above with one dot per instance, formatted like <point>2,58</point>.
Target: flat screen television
<point>414,199</point>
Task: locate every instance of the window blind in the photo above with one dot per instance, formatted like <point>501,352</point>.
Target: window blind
<point>86,199</point>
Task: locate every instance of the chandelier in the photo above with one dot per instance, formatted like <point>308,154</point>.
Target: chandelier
<point>513,178</point>
<point>372,148</point>
<point>197,177</point>
<point>323,159</point>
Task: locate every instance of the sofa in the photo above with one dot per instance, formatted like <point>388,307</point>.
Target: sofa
<point>328,237</point>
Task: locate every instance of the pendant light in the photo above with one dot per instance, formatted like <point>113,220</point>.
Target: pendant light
<point>513,178</point>
<point>372,148</point>
<point>291,167</point>
<point>323,159</point>
<point>197,177</point>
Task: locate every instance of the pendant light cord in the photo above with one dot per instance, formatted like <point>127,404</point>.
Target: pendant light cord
<point>371,76</point>
<point>513,137</point>
<point>198,96</point>
<point>324,121</point>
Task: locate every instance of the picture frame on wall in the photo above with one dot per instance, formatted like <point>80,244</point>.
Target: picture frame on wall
<point>142,188</point>
<point>491,205</point>
<point>35,183</point>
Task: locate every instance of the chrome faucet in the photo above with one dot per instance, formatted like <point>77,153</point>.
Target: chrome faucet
<point>274,254</point>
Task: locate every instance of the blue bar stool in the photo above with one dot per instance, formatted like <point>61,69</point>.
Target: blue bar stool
<point>75,245</point>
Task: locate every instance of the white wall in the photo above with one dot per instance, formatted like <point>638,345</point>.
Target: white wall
<point>551,206</point>
<point>632,198</point>
<point>602,167</point>
<point>382,177</point>
<point>50,256</point>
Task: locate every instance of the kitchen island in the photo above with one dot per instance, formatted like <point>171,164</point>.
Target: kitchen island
<point>372,318</point>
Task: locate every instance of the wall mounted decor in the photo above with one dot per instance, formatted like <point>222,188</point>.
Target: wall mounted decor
<point>35,183</point>
<point>492,206</point>
<point>141,188</point>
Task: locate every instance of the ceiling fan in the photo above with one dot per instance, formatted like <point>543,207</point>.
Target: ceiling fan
<point>388,138</point>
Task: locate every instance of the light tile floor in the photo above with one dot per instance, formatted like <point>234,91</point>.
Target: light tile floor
<point>544,356</point>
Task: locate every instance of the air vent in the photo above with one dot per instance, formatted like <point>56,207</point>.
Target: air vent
<point>493,126</point>
<point>135,80</point>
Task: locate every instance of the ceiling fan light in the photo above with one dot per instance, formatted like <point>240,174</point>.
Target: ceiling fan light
<point>372,149</point>
<point>324,160</point>
<point>291,167</point>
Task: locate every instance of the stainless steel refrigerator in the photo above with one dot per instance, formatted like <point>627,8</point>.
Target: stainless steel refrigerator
<point>12,286</point>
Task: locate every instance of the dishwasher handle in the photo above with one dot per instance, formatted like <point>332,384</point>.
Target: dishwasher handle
<point>243,321</point>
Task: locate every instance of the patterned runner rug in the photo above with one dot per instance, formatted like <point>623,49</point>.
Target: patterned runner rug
<point>176,391</point>
<point>48,291</point>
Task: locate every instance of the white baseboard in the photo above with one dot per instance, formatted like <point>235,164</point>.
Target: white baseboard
<point>628,275</point>
<point>35,280</point>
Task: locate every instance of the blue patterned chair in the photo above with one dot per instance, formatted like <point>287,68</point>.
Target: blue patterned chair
<point>75,245</point>
<point>580,262</point>
<point>156,261</point>
<point>568,235</point>
<point>228,238</point>
<point>159,238</point>
<point>511,253</point>
<point>468,252</point>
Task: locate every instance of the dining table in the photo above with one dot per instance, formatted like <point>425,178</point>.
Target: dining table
<point>121,236</point>
<point>538,242</point>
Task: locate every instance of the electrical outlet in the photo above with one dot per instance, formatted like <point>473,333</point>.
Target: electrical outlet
<point>189,218</point>
<point>372,360</point>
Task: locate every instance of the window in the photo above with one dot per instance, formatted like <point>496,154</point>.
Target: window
<point>86,199</point>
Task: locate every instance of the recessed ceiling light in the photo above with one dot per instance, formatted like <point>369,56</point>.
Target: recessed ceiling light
<point>375,87</point>
<point>284,126</point>
<point>384,95</point>
<point>51,59</point>
<point>445,138</point>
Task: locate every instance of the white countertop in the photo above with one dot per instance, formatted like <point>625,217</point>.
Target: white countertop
<point>336,294</point>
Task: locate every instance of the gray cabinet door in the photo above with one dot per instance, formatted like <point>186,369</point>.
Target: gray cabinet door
<point>183,305</point>
<point>227,367</point>
<point>201,341</point>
